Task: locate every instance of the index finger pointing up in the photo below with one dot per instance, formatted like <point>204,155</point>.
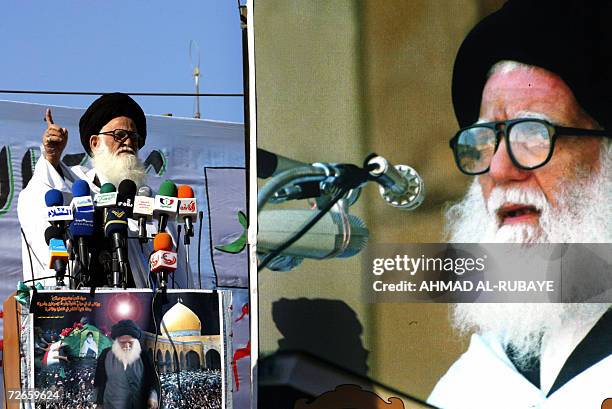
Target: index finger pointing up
<point>48,116</point>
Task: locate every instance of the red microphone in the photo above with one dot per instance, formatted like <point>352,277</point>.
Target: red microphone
<point>163,261</point>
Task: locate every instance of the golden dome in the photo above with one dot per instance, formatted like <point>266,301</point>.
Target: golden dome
<point>180,319</point>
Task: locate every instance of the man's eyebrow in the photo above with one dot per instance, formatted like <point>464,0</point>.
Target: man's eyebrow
<point>523,114</point>
<point>534,115</point>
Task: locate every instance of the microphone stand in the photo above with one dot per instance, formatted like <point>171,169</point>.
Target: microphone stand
<point>187,242</point>
<point>116,271</point>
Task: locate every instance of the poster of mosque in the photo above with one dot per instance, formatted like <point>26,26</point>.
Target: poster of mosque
<point>126,349</point>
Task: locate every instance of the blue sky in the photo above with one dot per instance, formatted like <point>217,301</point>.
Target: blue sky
<point>129,46</point>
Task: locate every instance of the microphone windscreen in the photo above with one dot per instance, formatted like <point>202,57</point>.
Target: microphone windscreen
<point>185,192</point>
<point>80,188</point>
<point>145,191</point>
<point>115,221</point>
<point>108,188</point>
<point>162,241</point>
<point>53,232</point>
<point>167,188</point>
<point>54,197</point>
<point>126,188</point>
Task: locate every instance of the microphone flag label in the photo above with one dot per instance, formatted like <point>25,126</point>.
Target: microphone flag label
<point>166,204</point>
<point>58,213</point>
<point>163,260</point>
<point>143,206</point>
<point>105,199</point>
<point>82,203</point>
<point>188,207</point>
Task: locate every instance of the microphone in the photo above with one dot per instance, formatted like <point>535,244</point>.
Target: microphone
<point>143,210</point>
<point>81,196</point>
<point>125,196</point>
<point>58,254</point>
<point>163,261</point>
<point>166,204</point>
<point>115,228</point>
<point>400,185</point>
<point>107,196</point>
<point>188,209</point>
<point>270,164</point>
<point>335,235</point>
<point>57,213</point>
<point>82,227</point>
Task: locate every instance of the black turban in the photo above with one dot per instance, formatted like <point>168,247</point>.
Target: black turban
<point>105,109</point>
<point>126,327</point>
<point>571,38</point>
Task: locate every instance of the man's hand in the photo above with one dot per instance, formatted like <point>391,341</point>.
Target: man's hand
<point>54,140</point>
<point>153,404</point>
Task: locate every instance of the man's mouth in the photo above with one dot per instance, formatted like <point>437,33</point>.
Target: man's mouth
<point>517,213</point>
<point>125,150</point>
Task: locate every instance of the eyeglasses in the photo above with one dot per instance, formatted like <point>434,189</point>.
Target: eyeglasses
<point>121,135</point>
<point>529,142</point>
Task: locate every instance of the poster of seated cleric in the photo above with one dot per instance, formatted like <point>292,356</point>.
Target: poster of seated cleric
<point>120,349</point>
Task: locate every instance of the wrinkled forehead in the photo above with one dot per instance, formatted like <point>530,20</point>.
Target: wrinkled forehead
<point>510,92</point>
<point>121,122</point>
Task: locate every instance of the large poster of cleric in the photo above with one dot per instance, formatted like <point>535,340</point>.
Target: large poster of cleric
<point>179,149</point>
<point>122,348</point>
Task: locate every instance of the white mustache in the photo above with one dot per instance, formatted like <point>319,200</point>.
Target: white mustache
<point>126,149</point>
<point>528,197</point>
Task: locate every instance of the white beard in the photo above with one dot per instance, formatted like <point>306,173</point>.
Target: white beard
<point>115,168</point>
<point>583,215</point>
<point>126,357</point>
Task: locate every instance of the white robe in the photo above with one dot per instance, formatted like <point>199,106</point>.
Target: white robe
<point>484,377</point>
<point>32,217</point>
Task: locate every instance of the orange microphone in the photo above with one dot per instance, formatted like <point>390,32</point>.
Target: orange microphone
<point>188,209</point>
<point>163,261</point>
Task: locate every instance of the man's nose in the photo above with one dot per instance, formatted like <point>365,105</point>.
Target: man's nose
<point>502,170</point>
<point>130,142</point>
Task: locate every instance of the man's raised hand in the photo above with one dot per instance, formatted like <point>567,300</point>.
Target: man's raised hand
<point>54,140</point>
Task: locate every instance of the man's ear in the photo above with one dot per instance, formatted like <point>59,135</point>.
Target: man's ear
<point>94,141</point>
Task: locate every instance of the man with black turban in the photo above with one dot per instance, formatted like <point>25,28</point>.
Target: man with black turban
<point>532,92</point>
<point>112,131</point>
<point>125,376</point>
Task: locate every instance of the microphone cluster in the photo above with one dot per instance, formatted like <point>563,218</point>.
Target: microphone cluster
<point>285,237</point>
<point>83,229</point>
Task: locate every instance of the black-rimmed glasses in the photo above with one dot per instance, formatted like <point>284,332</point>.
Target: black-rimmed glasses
<point>530,143</point>
<point>121,135</point>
